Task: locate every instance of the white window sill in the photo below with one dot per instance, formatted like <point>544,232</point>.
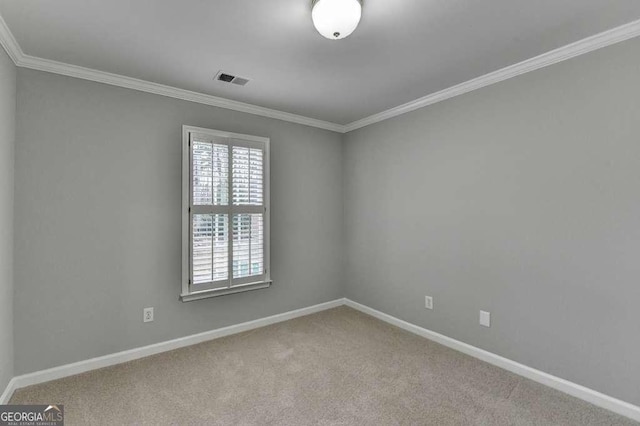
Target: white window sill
<point>197,295</point>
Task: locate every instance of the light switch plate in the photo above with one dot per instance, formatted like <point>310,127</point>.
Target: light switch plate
<point>485,318</point>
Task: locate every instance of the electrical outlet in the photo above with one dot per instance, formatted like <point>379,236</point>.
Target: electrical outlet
<point>147,315</point>
<point>428,302</point>
<point>485,318</point>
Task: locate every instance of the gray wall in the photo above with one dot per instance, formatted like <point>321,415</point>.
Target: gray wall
<point>7,144</point>
<point>98,220</point>
<point>522,199</point>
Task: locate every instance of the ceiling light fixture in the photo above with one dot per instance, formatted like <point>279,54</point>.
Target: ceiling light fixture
<point>336,19</point>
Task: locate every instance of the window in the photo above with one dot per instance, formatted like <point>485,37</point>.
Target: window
<point>225,219</point>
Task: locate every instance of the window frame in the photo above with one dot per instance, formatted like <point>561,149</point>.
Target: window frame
<point>189,292</point>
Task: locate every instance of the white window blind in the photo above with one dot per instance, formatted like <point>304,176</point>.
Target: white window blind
<point>226,213</point>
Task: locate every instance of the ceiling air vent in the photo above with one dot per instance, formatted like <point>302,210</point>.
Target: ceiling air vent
<point>229,78</point>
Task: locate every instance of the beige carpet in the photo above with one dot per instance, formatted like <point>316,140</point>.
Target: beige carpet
<point>337,367</point>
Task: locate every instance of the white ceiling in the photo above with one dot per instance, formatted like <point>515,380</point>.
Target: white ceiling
<point>403,49</point>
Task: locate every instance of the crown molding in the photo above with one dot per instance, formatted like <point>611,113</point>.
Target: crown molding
<point>172,92</point>
<point>26,61</point>
<point>9,43</point>
<point>589,44</point>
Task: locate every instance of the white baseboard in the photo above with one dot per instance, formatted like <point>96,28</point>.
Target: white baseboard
<point>596,398</point>
<point>6,395</point>
<point>133,354</point>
